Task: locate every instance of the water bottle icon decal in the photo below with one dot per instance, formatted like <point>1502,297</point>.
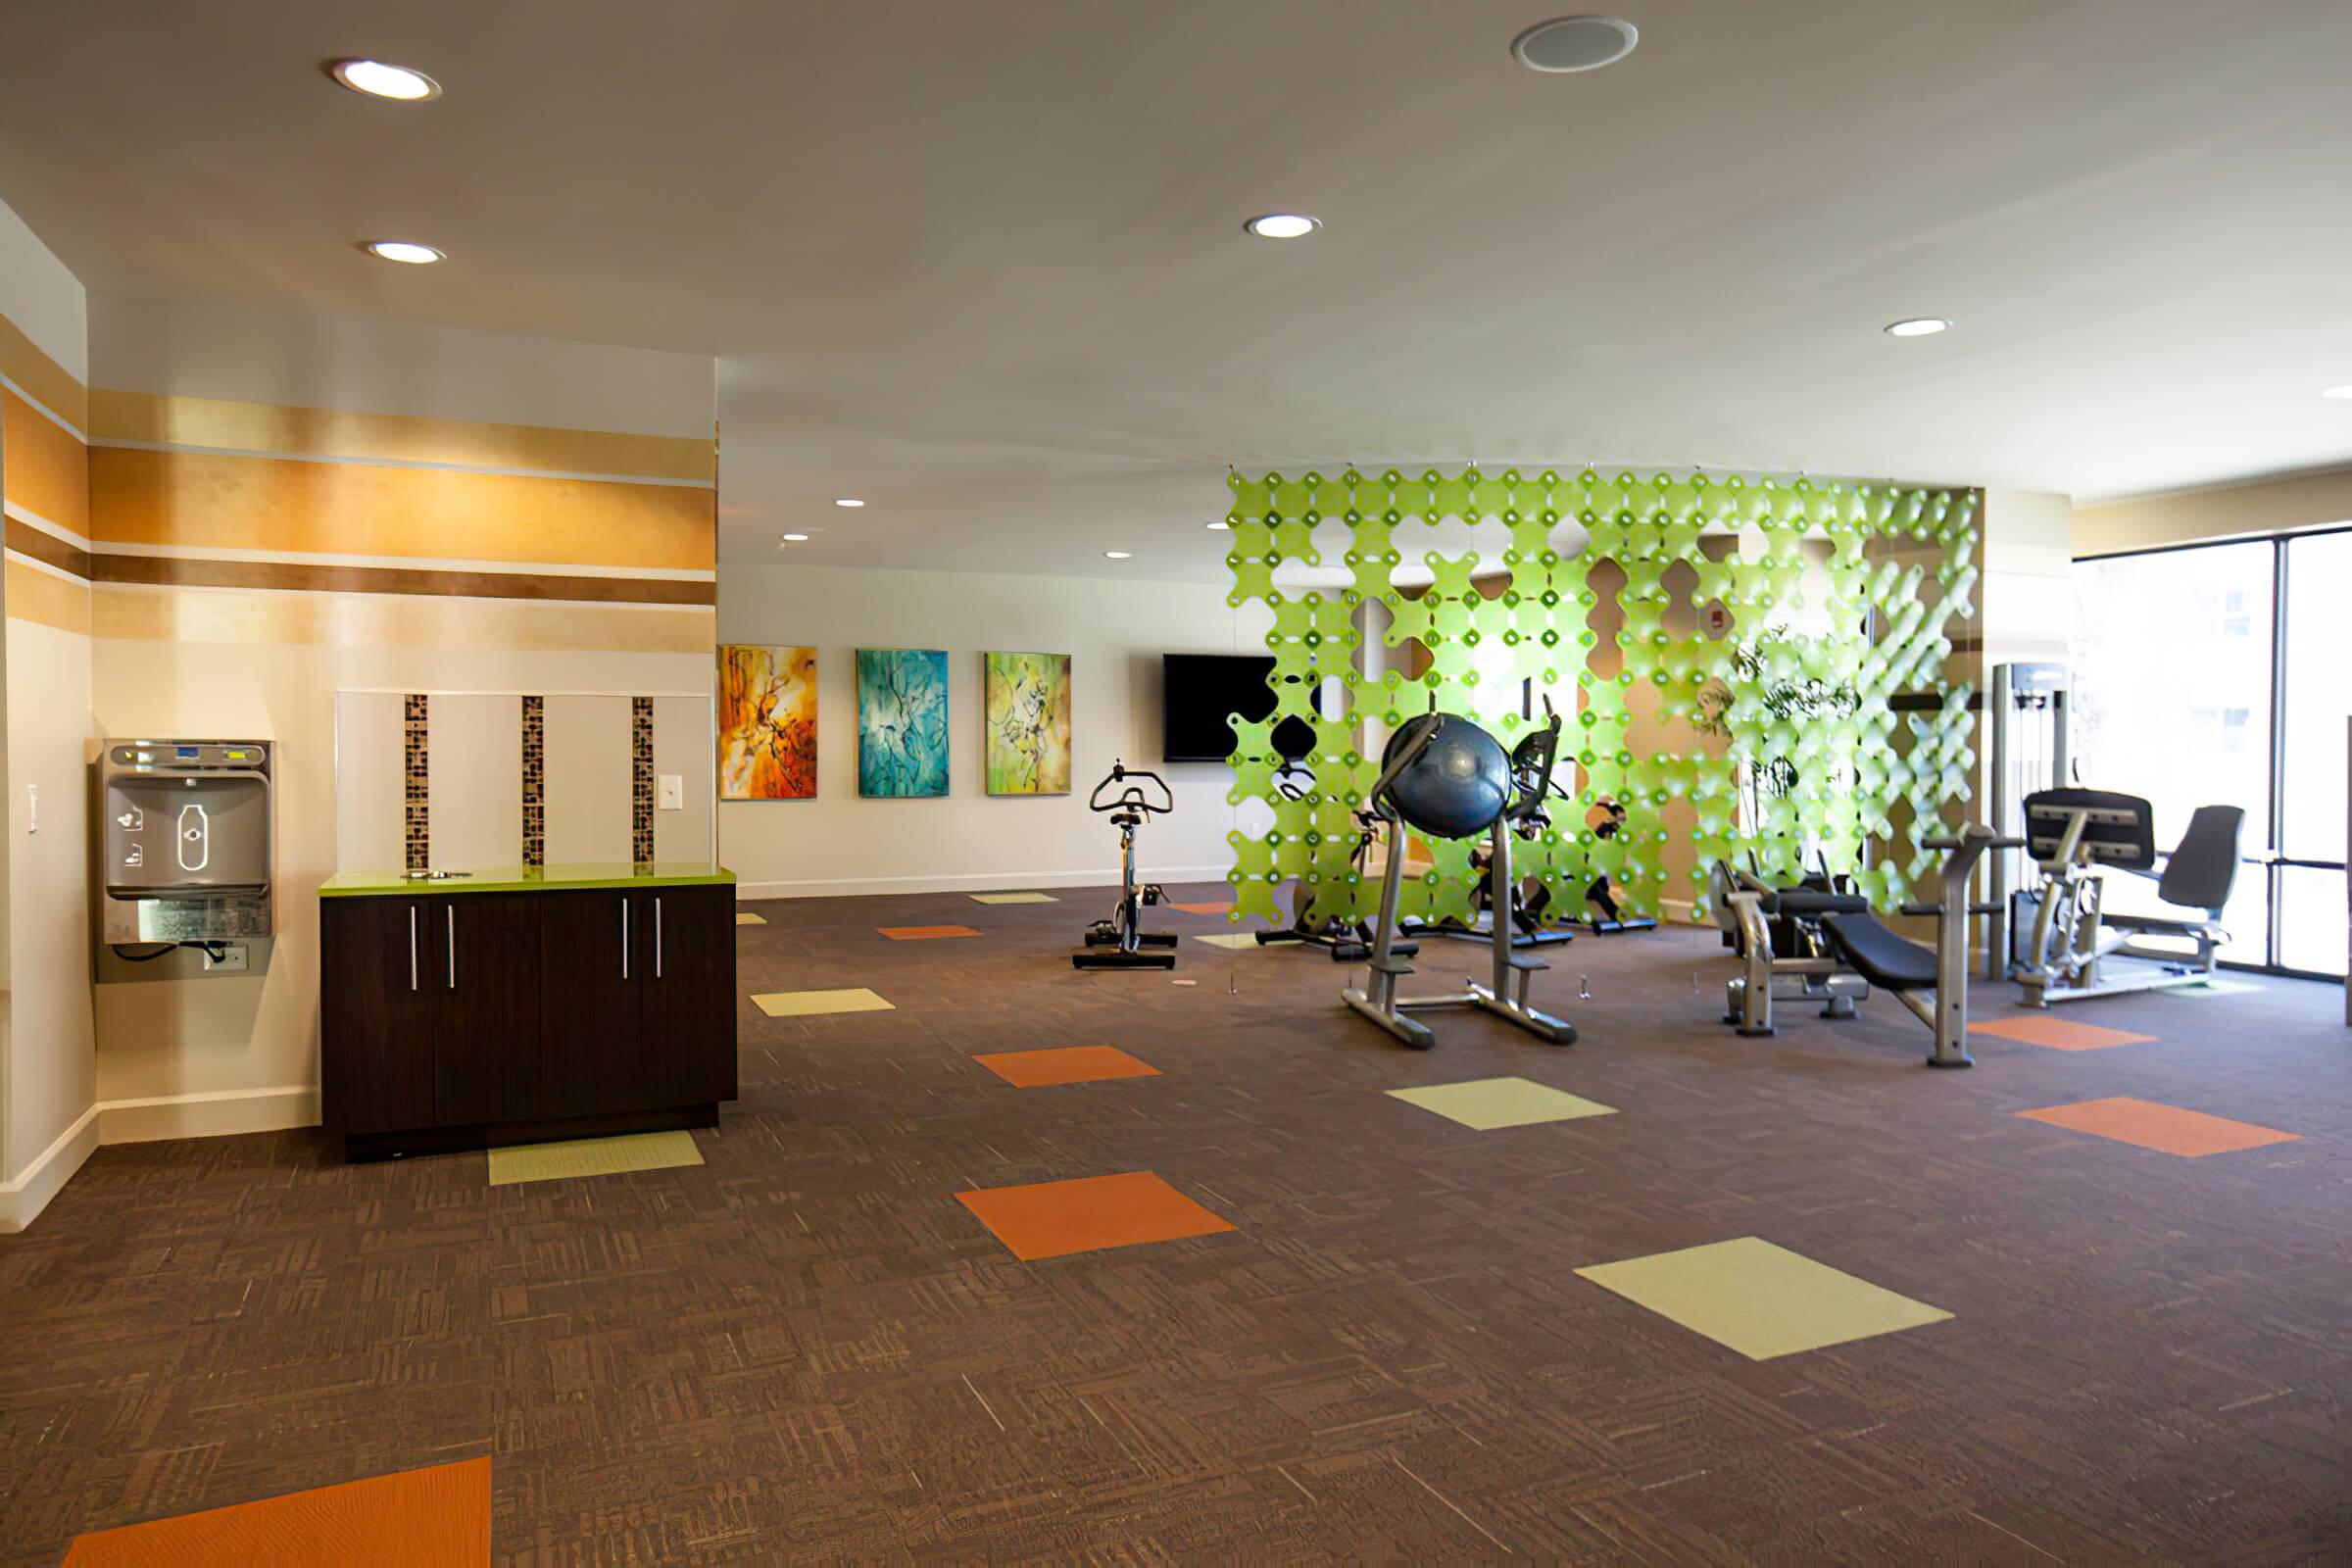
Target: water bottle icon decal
<point>195,838</point>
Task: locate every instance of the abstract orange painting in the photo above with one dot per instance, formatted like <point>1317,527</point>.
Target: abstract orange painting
<point>766,723</point>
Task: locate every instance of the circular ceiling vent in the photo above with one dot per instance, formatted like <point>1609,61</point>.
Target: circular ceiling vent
<point>1575,43</point>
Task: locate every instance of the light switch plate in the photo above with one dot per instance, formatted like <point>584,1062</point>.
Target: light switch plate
<point>673,792</point>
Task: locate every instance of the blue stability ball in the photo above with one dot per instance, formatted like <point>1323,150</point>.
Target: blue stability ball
<point>1457,787</point>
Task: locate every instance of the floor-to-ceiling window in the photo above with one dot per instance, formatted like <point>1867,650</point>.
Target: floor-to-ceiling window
<point>2223,674</point>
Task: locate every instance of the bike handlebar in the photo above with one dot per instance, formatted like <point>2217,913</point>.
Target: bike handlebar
<point>1132,796</point>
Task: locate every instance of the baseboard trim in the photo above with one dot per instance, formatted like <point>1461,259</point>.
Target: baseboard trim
<point>976,882</point>
<point>23,1198</point>
<point>220,1114</point>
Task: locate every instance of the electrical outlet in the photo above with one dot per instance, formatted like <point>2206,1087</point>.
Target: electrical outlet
<point>232,960</point>
<point>673,793</point>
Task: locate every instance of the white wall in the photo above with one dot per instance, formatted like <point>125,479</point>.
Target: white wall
<point>45,301</point>
<point>2025,598</point>
<point>241,1054</point>
<point>1114,633</point>
<point>47,1062</point>
<point>253,352</point>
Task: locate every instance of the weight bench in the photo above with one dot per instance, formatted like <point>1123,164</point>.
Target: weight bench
<point>1847,949</point>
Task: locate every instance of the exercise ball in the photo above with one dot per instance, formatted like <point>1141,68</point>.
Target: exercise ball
<point>1456,788</point>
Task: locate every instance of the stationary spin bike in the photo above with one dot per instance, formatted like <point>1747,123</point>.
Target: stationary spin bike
<point>1118,943</point>
<point>1348,941</point>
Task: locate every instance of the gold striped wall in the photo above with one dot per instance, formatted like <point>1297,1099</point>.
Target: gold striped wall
<point>263,499</point>
<point>258,502</point>
<point>45,483</point>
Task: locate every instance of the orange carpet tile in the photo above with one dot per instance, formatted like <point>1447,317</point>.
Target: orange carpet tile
<point>1051,1219</point>
<point>2056,1034</point>
<point>2169,1129</point>
<point>437,1517</point>
<point>924,933</point>
<point>1064,1064</point>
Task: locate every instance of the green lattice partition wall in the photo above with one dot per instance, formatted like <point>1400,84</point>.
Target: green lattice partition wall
<point>1862,773</point>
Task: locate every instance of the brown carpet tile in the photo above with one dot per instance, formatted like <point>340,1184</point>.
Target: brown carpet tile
<point>808,1349</point>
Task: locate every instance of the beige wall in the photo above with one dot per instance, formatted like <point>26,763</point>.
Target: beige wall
<point>2026,600</point>
<point>285,506</point>
<point>2264,506</point>
<point>253,510</point>
<point>1114,633</point>
<point>46,1087</point>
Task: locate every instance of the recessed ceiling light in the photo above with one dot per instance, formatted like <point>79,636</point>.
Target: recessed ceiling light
<point>849,501</point>
<point>401,250</point>
<point>2338,392</point>
<point>793,538</point>
<point>378,79</point>
<point>1575,43</point>
<point>1118,555</point>
<point>1220,526</point>
<point>1918,326</point>
<point>1283,225</point>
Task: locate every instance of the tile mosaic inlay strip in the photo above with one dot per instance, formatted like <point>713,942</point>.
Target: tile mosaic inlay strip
<point>416,783</point>
<point>534,781</point>
<point>641,779</point>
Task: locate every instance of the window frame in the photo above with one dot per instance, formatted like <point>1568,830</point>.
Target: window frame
<point>2269,858</point>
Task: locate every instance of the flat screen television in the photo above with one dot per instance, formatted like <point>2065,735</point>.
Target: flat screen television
<point>1199,691</point>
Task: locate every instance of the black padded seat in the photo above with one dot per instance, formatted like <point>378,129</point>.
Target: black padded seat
<point>1880,957</point>
<point>1808,904</point>
<point>2202,869</point>
<point>2161,924</point>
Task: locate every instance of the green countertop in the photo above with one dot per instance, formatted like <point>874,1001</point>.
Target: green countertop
<point>529,879</point>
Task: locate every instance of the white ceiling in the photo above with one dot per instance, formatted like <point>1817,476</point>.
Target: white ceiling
<point>980,261</point>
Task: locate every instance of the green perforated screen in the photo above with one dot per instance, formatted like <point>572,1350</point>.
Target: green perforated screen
<point>1725,650</point>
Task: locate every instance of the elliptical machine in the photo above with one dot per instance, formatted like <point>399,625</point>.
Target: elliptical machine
<point>1610,917</point>
<point>1530,818</point>
<point>1348,941</point>
<point>1119,943</point>
<point>1443,775</point>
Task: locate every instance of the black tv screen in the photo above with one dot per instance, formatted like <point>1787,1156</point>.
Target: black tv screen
<point>1200,690</point>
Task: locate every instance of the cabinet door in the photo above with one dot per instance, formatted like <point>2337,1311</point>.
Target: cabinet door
<point>590,1047</point>
<point>689,992</point>
<point>484,967</point>
<point>376,1023</point>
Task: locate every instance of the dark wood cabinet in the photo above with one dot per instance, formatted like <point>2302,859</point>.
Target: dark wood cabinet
<point>591,1045</point>
<point>375,1014</point>
<point>465,1019</point>
<point>487,959</point>
<point>689,993</point>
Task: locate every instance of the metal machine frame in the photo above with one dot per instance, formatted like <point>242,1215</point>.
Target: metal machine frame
<point>1506,996</point>
<point>1118,943</point>
<point>2027,720</point>
<point>1838,968</point>
<point>2073,938</point>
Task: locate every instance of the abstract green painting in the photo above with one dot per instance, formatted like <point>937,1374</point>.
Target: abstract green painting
<point>1028,710</point>
<point>902,721</point>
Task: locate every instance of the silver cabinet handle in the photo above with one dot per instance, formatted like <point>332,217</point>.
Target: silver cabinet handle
<point>453,947</point>
<point>412,947</point>
<point>624,936</point>
<point>657,936</point>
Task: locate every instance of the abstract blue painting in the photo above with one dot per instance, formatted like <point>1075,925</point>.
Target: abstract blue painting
<point>902,721</point>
